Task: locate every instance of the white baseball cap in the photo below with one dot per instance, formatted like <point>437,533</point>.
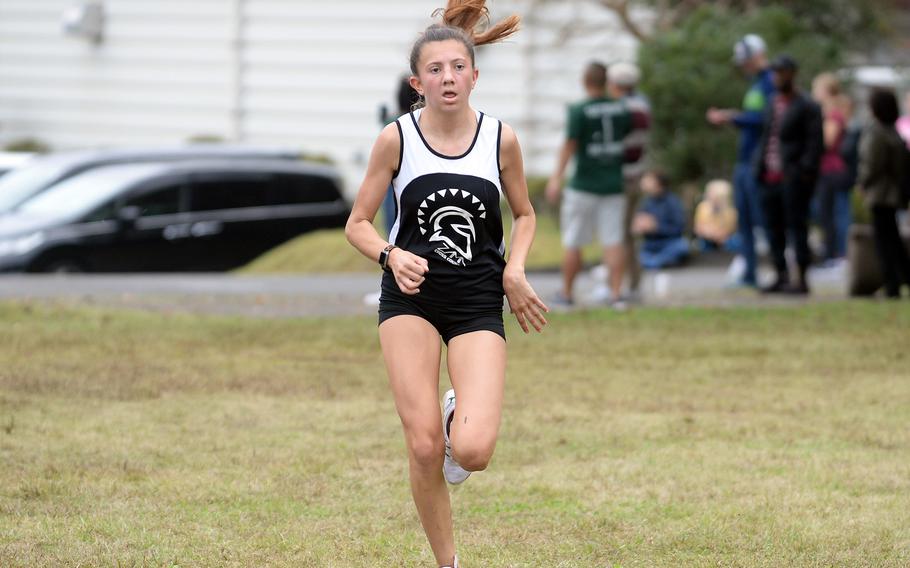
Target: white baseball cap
<point>748,47</point>
<point>624,74</point>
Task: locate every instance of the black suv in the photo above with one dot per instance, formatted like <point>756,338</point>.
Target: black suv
<point>43,172</point>
<point>175,216</point>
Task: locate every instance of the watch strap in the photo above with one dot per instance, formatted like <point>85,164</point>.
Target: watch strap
<point>384,256</point>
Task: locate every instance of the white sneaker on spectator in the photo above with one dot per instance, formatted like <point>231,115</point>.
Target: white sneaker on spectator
<point>600,295</point>
<point>737,270</point>
<point>599,273</point>
<point>762,246</point>
<point>453,472</point>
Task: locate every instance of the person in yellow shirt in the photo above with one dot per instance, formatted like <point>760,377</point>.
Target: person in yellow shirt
<point>715,217</point>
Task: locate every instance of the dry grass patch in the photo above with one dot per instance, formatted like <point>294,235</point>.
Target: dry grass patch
<point>742,437</point>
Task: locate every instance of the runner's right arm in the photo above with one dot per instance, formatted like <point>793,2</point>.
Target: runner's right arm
<point>408,269</point>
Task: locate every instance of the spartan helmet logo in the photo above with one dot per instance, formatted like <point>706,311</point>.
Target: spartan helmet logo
<point>460,224</point>
<point>451,223</point>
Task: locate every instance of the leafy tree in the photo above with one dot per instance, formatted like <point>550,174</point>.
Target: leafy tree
<point>856,23</point>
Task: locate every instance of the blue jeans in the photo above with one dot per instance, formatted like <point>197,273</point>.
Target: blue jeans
<point>750,216</point>
<point>843,216</point>
<point>831,210</point>
<point>661,253</point>
<point>733,244</point>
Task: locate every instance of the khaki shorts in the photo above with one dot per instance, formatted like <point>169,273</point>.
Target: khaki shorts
<point>583,213</point>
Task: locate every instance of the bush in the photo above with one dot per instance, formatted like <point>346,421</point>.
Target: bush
<point>28,145</point>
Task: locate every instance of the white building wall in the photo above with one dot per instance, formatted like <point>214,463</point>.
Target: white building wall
<point>306,73</point>
<point>158,76</point>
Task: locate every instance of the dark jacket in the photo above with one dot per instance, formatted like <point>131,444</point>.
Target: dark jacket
<point>668,211</point>
<point>751,119</point>
<point>801,142</point>
<point>881,165</point>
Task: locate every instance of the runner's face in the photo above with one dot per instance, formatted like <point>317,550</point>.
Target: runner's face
<point>445,75</point>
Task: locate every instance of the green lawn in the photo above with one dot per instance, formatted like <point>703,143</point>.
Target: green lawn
<point>685,437</point>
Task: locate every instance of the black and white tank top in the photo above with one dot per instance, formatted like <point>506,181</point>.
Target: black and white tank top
<point>448,213</point>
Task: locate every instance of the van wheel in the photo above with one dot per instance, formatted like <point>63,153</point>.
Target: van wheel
<point>62,266</point>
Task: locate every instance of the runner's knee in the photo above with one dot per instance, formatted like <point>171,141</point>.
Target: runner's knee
<point>426,450</point>
<point>473,456</point>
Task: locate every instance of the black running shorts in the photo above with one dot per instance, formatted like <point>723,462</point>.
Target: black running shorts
<point>450,320</point>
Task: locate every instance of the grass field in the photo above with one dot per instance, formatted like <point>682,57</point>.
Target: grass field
<point>740,437</point>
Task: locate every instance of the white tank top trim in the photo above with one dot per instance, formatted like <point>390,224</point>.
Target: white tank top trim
<point>418,158</point>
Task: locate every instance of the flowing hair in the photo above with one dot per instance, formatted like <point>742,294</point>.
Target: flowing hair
<point>467,21</point>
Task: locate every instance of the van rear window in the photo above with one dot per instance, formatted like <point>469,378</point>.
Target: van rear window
<point>215,194</point>
<point>291,189</point>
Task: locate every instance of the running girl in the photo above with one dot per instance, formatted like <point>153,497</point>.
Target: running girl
<point>445,271</point>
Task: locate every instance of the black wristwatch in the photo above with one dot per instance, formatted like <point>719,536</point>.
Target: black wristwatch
<point>384,257</point>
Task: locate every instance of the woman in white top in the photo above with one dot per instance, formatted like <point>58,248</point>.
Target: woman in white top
<point>445,268</point>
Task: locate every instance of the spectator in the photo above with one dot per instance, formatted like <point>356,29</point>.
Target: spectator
<point>882,167</point>
<point>622,79</point>
<point>833,189</point>
<point>660,220</point>
<point>594,199</point>
<point>715,218</point>
<point>787,169</point>
<point>749,54</point>
<point>903,123</point>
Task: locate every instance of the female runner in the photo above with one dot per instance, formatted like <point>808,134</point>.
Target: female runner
<point>445,271</point>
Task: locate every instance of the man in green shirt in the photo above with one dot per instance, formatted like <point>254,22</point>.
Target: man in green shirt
<point>594,199</point>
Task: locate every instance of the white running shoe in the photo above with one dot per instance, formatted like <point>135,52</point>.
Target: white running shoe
<point>453,472</point>
<point>454,563</point>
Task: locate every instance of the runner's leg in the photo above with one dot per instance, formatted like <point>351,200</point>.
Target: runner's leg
<point>411,348</point>
<point>477,367</point>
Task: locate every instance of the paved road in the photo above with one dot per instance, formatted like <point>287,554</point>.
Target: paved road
<point>343,294</point>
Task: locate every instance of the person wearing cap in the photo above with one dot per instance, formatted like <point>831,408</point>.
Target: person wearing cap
<point>622,83</point>
<point>593,201</point>
<point>786,167</point>
<point>750,55</point>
